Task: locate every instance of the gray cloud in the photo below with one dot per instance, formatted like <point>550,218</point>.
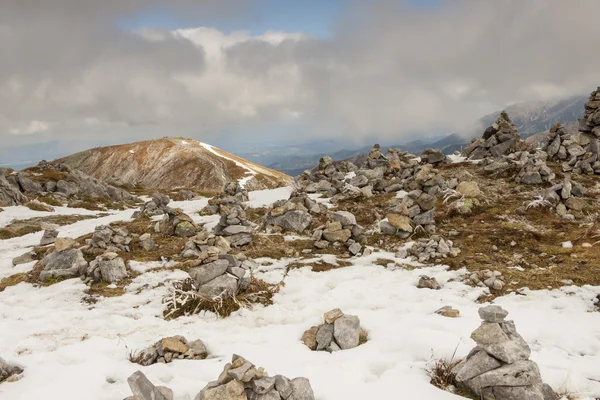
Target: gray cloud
<point>388,69</point>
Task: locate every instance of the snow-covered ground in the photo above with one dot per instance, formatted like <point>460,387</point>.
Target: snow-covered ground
<point>74,350</point>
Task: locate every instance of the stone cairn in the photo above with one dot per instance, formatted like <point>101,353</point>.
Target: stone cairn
<point>9,372</point>
<point>417,208</point>
<point>338,332</point>
<point>232,193</point>
<point>327,178</point>
<point>143,389</point>
<point>566,197</point>
<point>220,275</point>
<point>204,246</point>
<point>498,368</point>
<point>433,248</point>
<point>487,278</point>
<point>241,379</point>
<point>589,134</point>
<point>498,139</point>
<point>433,156</point>
<point>176,223</point>
<point>341,229</point>
<point>106,238</point>
<point>234,225</point>
<point>169,349</point>
<point>50,234</point>
<point>157,206</point>
<point>294,214</point>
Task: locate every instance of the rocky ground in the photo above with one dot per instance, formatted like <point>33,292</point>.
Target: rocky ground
<point>413,250</point>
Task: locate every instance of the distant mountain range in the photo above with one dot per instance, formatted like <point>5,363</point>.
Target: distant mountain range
<point>531,118</point>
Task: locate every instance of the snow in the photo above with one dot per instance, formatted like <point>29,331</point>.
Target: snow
<point>20,212</point>
<point>184,142</point>
<point>72,349</point>
<point>567,245</point>
<point>132,151</point>
<point>456,159</point>
<point>251,173</point>
<point>264,198</point>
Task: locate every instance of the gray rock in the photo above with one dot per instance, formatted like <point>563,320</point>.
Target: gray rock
<point>426,282</point>
<point>425,218</point>
<point>518,392</point>
<point>111,270</point>
<point>302,389</point>
<point>225,285</point>
<point>324,336</point>
<point>263,385</point>
<point>520,373</point>
<point>27,185</point>
<point>9,193</point>
<point>284,386</point>
<point>355,248</point>
<point>7,370</point>
<point>548,392</point>
<point>65,264</point>
<point>387,228</point>
<point>147,243</point>
<point>476,365</point>
<point>296,221</point>
<point>492,313</point>
<point>207,272</point>
<point>426,201</point>
<point>24,258</point>
<point>509,351</point>
<point>185,229</point>
<point>143,389</point>
<point>48,237</point>
<point>532,178</point>
<point>344,217</point>
<point>347,331</point>
<point>503,148</point>
<point>235,229</point>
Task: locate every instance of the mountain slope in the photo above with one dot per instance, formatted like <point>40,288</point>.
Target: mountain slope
<point>173,163</point>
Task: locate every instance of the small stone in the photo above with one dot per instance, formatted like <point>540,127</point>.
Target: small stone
<point>331,316</point>
<point>309,338</point>
<point>448,311</point>
<point>426,282</point>
<point>492,313</point>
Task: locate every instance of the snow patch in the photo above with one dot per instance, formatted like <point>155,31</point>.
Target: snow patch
<point>263,198</point>
<point>251,173</point>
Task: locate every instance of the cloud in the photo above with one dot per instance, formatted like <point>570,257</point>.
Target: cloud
<point>389,70</point>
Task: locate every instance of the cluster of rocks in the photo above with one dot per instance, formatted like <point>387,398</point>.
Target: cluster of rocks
<point>566,197</point>
<point>433,248</point>
<point>487,278</point>
<point>220,275</point>
<point>294,214</point>
<point>499,139</point>
<point>158,205</point>
<point>341,229</point>
<point>241,380</point>
<point>529,167</point>
<point>427,282</point>
<point>327,178</point>
<point>106,238</point>
<point>577,153</point>
<point>234,225</point>
<point>169,349</point>
<point>338,332</point>
<point>56,180</point>
<point>68,261</point>
<point>8,372</point>
<point>433,157</point>
<point>184,195</point>
<point>417,208</point>
<point>233,193</point>
<point>589,129</point>
<point>498,368</point>
<point>205,247</point>
<point>176,223</point>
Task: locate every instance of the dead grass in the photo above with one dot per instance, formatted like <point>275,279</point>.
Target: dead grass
<point>35,206</point>
<point>183,299</point>
<point>318,266</point>
<point>256,215</point>
<point>276,247</point>
<point>49,200</point>
<point>441,375</point>
<point>8,233</point>
<point>44,175</point>
<point>12,280</point>
<point>367,211</point>
<point>19,228</point>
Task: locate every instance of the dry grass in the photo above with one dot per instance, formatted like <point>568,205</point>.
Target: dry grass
<point>367,210</point>
<point>44,175</point>
<point>319,266</point>
<point>19,228</point>
<point>49,200</point>
<point>441,375</point>
<point>256,215</point>
<point>12,280</point>
<point>276,247</point>
<point>8,233</point>
<point>183,299</point>
<point>36,206</point>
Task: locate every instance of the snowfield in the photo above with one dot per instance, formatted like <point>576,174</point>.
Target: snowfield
<point>72,349</point>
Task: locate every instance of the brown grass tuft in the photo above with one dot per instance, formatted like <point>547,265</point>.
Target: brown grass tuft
<point>36,206</point>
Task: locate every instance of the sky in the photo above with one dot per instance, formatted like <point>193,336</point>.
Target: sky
<point>82,73</point>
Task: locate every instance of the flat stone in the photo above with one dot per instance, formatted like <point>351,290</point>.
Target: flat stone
<point>233,390</point>
<point>492,313</point>
<point>347,331</point>
<point>309,338</point>
<point>344,217</point>
<point>331,316</point>
<point>520,373</point>
<point>173,345</point>
<point>143,389</point>
<point>448,311</point>
<point>207,272</point>
<point>489,333</point>
<point>302,389</point>
<point>222,285</point>
<point>476,365</point>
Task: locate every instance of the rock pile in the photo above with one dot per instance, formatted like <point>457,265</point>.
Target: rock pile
<point>176,223</point>
<point>499,367</point>
<point>8,372</point>
<point>415,209</point>
<point>427,282</point>
<point>589,129</point>
<point>434,248</point>
<point>293,214</point>
<point>64,262</point>
<point>327,178</point>
<point>566,197</point>
<point>50,234</point>
<point>156,206</point>
<point>169,349</point>
<point>529,167</point>
<point>205,246</point>
<point>578,153</point>
<point>220,275</point>
<point>487,278</point>
<point>241,380</point>
<point>106,238</point>
<point>56,180</point>
<point>338,332</point>
<point>433,156</point>
<point>341,229</point>
<point>499,139</point>
<point>108,267</point>
<point>234,225</point>
<point>232,193</point>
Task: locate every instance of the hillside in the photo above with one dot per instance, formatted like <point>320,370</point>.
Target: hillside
<point>173,163</point>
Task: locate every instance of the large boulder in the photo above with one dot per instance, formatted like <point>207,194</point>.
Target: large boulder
<point>296,221</point>
<point>68,263</point>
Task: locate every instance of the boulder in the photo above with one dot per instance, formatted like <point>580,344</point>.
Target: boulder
<point>64,264</point>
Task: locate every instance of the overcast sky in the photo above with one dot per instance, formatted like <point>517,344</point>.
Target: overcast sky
<point>227,71</point>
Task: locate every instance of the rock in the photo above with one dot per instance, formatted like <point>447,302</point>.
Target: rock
<point>492,313</point>
<point>263,385</point>
<point>489,333</point>
<point>296,221</point>
<point>65,264</point>
<point>331,316</point>
<point>233,390</point>
<point>283,386</point>
<point>324,336</point>
<point>112,270</point>
<point>426,201</point>
<point>448,311</point>
<point>207,272</point>
<point>532,178</point>
<point>576,203</point>
<point>8,371</point>
<point>61,244</point>
<point>341,235</point>
<point>185,229</point>
<point>355,248</point>
<point>425,218</point>
<point>143,389</point>
<point>197,348</point>
<point>173,345</point>
<point>147,243</point>
<point>24,258</point>
<point>48,237</point>
<point>469,189</point>
<point>222,285</point>
<point>344,217</point>
<point>309,338</point>
<point>387,228</point>
<point>426,282</point>
<point>347,331</point>
<point>520,373</point>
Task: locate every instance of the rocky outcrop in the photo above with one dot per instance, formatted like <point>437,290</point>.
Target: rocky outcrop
<point>108,267</point>
<point>434,248</point>
<point>205,247</point>
<point>234,225</point>
<point>169,349</point>
<point>242,380</point>
<point>501,138</point>
<point>8,372</point>
<point>433,156</point>
<point>527,167</point>
<point>498,368</point>
<point>108,239</point>
<point>10,194</point>
<point>232,193</point>
<point>586,160</point>
<point>338,332</point>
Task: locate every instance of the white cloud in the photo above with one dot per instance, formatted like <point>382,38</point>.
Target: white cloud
<point>33,127</point>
